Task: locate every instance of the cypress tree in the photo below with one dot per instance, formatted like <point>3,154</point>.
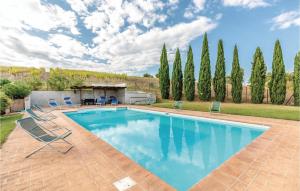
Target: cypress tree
<point>164,78</point>
<point>296,80</point>
<point>177,77</point>
<point>219,80</point>
<point>236,78</point>
<point>277,84</point>
<point>258,77</point>
<point>189,78</point>
<point>204,81</point>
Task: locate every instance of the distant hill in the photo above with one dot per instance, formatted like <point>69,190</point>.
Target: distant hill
<point>133,82</point>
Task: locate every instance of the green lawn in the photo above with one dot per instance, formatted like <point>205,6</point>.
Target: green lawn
<point>7,124</point>
<point>258,110</point>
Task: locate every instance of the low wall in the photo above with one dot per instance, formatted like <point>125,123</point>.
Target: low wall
<point>41,97</point>
<point>139,97</point>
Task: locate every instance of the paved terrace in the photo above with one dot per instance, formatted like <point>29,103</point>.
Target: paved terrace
<point>271,162</point>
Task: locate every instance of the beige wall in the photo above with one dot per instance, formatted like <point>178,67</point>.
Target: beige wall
<point>41,97</point>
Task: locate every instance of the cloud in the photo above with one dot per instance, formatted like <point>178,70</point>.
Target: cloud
<point>286,20</point>
<point>193,8</point>
<point>246,3</point>
<point>122,37</point>
<point>199,4</point>
<point>31,14</point>
<point>124,49</point>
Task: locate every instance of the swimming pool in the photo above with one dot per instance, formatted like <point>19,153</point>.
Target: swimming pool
<point>179,149</point>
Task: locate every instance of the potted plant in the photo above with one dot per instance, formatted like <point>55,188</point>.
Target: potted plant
<point>17,91</point>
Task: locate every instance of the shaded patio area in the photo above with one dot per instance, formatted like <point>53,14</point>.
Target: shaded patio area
<point>271,162</point>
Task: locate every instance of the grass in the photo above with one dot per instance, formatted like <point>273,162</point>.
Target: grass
<point>258,110</point>
<point>7,125</point>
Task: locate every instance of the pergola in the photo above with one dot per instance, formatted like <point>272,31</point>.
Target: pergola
<point>103,87</point>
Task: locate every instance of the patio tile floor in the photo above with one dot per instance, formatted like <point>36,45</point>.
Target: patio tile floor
<point>271,162</point>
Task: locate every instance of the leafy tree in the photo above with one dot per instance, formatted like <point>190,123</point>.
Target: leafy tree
<point>258,77</point>
<point>219,80</point>
<point>204,81</point>
<point>177,77</point>
<point>57,81</point>
<point>34,80</point>
<point>17,90</point>
<point>146,75</point>
<point>237,74</point>
<point>35,83</point>
<point>296,79</point>
<point>75,80</point>
<point>164,78</point>
<point>189,77</point>
<point>5,102</point>
<point>277,84</point>
<point>3,82</point>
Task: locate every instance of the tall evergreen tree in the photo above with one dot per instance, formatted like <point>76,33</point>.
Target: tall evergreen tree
<point>189,76</point>
<point>219,80</point>
<point>204,81</point>
<point>296,80</point>
<point>258,77</point>
<point>277,84</point>
<point>177,77</point>
<point>237,74</point>
<point>164,78</point>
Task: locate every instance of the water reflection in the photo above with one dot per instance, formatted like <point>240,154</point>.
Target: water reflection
<point>189,135</point>
<point>164,135</point>
<point>177,130</point>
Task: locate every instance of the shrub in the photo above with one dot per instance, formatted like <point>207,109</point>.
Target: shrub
<point>5,102</point>
<point>146,75</point>
<point>3,82</point>
<point>17,90</point>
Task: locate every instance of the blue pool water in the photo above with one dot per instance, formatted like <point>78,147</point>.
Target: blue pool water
<point>180,150</point>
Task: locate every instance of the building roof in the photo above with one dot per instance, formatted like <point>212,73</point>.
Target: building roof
<point>100,86</point>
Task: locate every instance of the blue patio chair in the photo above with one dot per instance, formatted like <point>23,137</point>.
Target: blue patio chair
<point>114,101</point>
<point>101,100</point>
<point>68,102</point>
<point>44,135</point>
<point>53,104</point>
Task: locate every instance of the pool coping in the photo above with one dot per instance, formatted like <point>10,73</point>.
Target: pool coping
<point>236,158</point>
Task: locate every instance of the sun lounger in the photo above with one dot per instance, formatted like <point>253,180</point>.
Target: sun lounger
<point>215,106</point>
<point>43,135</point>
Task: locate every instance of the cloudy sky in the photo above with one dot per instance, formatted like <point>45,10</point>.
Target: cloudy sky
<point>127,36</point>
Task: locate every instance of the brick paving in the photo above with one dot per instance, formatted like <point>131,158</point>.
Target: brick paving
<point>271,162</point>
